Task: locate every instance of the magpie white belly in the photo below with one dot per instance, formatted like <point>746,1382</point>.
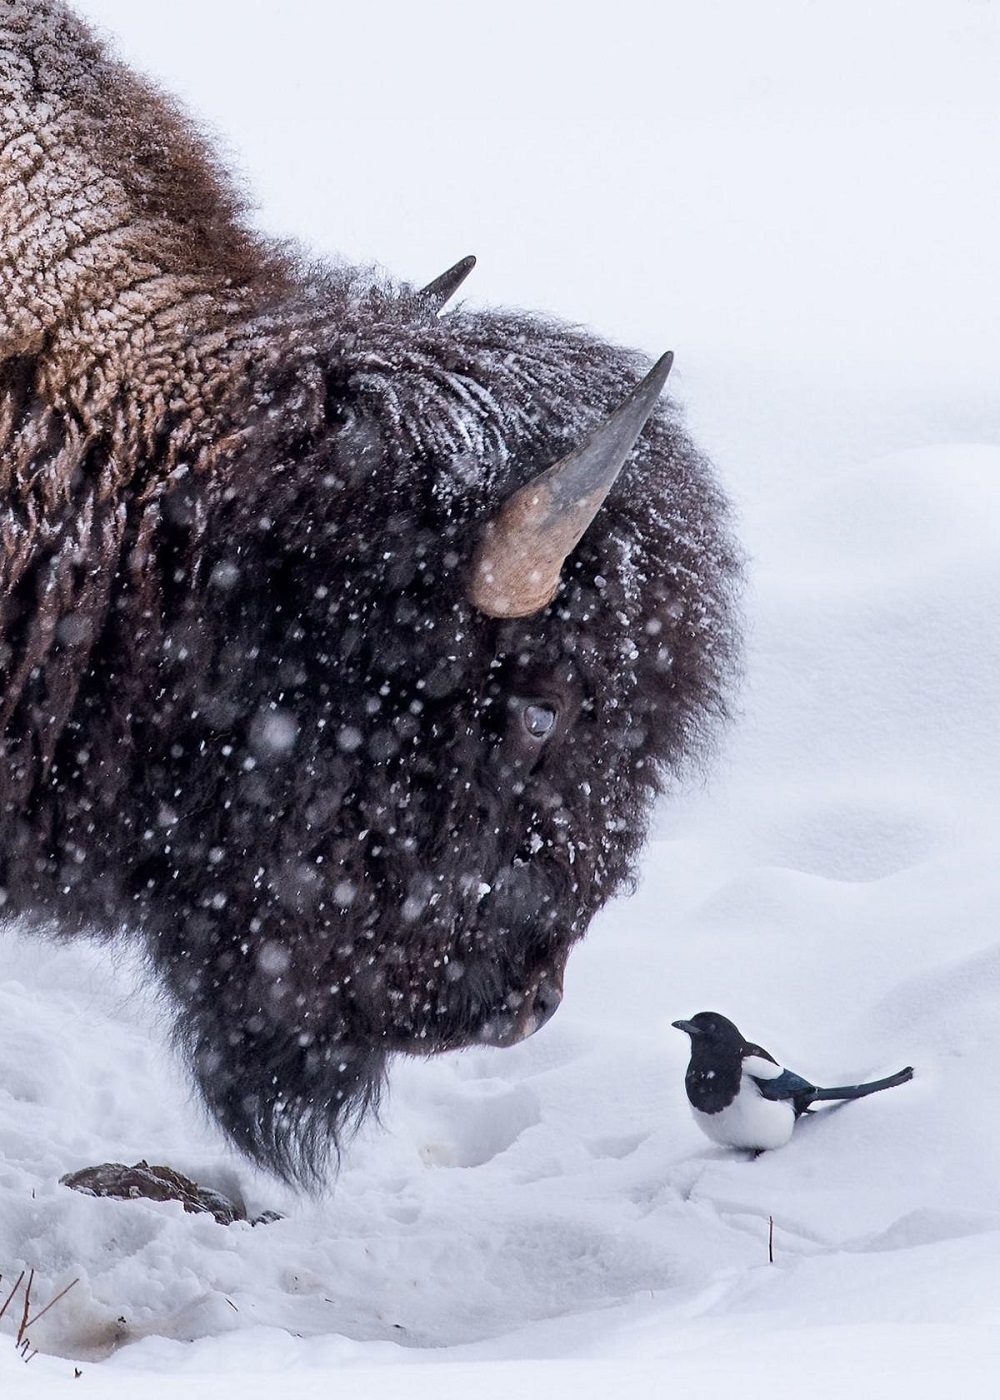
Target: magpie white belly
<point>750,1121</point>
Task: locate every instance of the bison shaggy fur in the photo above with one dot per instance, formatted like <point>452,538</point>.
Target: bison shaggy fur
<point>250,717</point>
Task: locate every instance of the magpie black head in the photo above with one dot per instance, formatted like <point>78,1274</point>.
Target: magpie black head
<point>717,1049</point>
<point>708,1028</point>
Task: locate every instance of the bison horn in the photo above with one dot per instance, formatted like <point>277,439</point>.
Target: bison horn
<point>520,556</point>
<point>443,288</point>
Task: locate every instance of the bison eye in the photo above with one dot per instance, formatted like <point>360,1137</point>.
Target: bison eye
<point>539,719</point>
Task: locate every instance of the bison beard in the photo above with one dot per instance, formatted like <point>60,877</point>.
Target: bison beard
<point>250,714</point>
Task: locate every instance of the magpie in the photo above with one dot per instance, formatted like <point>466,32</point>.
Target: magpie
<point>741,1097</point>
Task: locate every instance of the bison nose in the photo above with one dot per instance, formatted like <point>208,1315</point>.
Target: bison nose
<point>546,1002</point>
<point>524,1014</point>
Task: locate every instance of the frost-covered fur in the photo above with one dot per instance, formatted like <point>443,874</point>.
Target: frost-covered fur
<point>248,714</point>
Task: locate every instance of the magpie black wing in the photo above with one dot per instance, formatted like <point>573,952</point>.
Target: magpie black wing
<point>785,1086</point>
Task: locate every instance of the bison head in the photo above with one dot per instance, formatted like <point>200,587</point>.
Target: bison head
<point>418,691</point>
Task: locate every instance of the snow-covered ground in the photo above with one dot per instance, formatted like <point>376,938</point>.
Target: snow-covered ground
<point>802,201</point>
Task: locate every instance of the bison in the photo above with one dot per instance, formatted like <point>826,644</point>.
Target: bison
<point>341,662</point>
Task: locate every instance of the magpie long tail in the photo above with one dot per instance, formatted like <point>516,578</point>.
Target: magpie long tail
<point>859,1091</point>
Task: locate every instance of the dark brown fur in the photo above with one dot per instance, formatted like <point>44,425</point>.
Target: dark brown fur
<point>248,713</point>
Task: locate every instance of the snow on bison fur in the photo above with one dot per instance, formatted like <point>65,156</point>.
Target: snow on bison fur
<point>326,673</point>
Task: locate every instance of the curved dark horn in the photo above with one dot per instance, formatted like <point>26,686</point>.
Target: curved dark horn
<point>443,288</point>
<point>520,556</point>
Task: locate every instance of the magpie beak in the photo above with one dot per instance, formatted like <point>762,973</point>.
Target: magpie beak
<point>687,1026</point>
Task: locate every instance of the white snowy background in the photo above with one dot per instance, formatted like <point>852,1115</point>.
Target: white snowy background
<point>802,200</point>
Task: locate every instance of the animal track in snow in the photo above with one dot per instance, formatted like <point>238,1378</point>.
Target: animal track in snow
<point>617,1147</point>
<point>471,1128</point>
